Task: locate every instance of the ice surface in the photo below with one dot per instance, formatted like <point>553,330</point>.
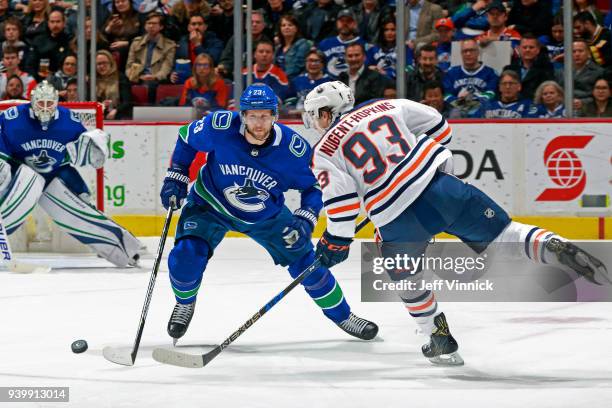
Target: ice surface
<point>517,354</point>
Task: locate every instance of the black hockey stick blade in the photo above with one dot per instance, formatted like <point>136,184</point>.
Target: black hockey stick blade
<point>118,356</point>
<point>181,359</point>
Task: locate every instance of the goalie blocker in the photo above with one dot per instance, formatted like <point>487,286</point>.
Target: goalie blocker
<point>71,213</point>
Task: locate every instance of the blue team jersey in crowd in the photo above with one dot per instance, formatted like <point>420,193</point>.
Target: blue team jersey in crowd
<point>386,59</point>
<point>542,112</point>
<point>481,83</point>
<point>302,84</point>
<point>22,137</point>
<point>512,110</point>
<point>334,49</point>
<point>241,181</point>
<point>443,51</point>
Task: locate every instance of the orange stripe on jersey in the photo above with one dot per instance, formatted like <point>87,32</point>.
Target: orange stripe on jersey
<point>443,134</point>
<point>536,243</point>
<point>401,177</point>
<point>423,306</point>
<point>344,208</point>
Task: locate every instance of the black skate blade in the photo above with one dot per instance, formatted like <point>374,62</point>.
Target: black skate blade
<point>449,360</point>
<point>118,356</point>
<point>177,358</point>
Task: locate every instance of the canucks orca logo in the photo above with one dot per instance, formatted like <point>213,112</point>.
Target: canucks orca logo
<point>42,163</point>
<point>248,197</point>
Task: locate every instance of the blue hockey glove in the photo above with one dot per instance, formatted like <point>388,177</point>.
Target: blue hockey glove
<point>175,187</point>
<point>298,233</point>
<point>331,250</point>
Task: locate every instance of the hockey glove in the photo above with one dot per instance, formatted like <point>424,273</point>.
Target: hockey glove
<point>175,187</point>
<point>331,250</point>
<point>299,232</point>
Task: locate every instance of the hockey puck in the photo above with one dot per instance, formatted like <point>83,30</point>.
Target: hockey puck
<point>79,346</point>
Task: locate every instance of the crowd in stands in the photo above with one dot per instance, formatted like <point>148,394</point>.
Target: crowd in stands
<point>467,59</point>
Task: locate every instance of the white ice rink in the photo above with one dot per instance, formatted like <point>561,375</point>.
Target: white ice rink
<point>517,354</point>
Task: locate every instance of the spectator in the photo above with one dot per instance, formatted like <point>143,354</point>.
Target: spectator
<point>434,96</point>
<point>420,18</point>
<point>205,90</point>
<point>369,14</point>
<point>60,79</point>
<point>292,48</point>
<point>471,16</point>
<point>199,40</point>
<point>151,56</point>
<point>554,43</point>
<point>14,89</point>
<point>509,105</point>
<point>383,56</point>
<point>531,64</point>
<point>365,83</point>
<point>72,19</point>
<point>586,72</point>
<point>72,91</point>
<point>390,92</point>
<point>226,65</point>
<point>549,100</point>
<point>4,14</point>
<point>178,18</point>
<point>12,37</point>
<point>53,46</point>
<point>470,84</point>
<point>268,73</point>
<point>274,10</point>
<point>11,61</point>
<point>112,87</point>
<point>317,19</point>
<point>425,71</point>
<point>531,16</point>
<point>35,16</point>
<point>74,43</point>
<point>314,76</point>
<point>600,106</point>
<point>334,48</point>
<point>497,16</point>
<point>221,19</point>
<point>588,6</point>
<point>119,29</point>
<point>446,30</point>
<point>597,37</point>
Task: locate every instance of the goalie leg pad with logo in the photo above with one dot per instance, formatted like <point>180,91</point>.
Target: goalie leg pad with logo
<point>20,197</point>
<point>89,226</point>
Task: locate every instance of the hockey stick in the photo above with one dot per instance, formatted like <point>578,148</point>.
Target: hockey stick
<point>121,356</point>
<point>180,359</point>
<point>8,261</point>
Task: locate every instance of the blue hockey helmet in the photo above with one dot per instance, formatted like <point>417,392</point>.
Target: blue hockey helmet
<point>259,96</point>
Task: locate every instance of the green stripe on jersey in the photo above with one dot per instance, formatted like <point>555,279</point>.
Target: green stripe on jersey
<point>184,133</point>
<point>331,299</point>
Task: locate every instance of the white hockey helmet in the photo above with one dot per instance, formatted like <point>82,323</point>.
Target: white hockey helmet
<point>335,96</point>
<point>44,100</point>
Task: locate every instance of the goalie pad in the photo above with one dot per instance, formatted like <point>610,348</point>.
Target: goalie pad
<point>21,197</point>
<point>89,226</point>
<point>90,149</point>
<point>5,175</point>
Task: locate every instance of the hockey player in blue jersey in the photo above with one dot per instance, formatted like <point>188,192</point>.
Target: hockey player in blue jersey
<point>41,143</point>
<point>251,162</point>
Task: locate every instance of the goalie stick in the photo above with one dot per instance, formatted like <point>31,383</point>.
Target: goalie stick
<point>180,359</point>
<point>122,356</point>
<point>8,261</point>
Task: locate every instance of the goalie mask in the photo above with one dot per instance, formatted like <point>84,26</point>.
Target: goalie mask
<point>44,100</point>
<point>334,96</point>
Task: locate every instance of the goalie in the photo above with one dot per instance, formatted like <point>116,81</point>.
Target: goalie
<point>41,143</point>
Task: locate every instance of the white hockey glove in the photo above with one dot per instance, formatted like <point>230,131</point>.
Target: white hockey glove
<point>90,149</point>
<point>5,175</point>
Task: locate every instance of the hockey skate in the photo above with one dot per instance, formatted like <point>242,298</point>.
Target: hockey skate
<point>361,328</point>
<point>442,347</point>
<point>180,319</point>
<point>578,260</point>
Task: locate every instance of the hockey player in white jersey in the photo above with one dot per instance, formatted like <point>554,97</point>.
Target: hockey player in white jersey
<point>41,144</point>
<point>389,158</point>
